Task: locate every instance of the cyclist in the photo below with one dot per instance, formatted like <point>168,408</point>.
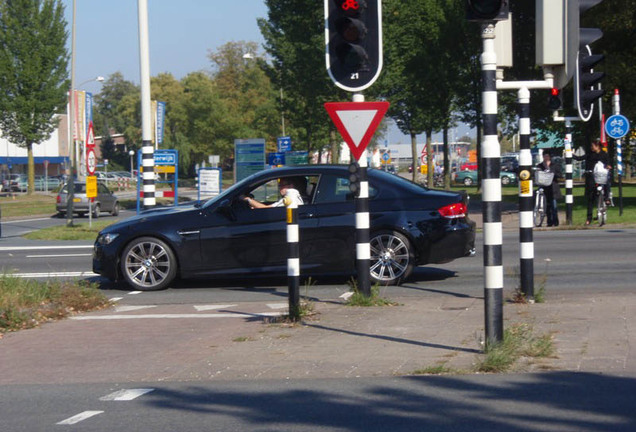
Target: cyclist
<point>591,158</point>
<point>552,192</point>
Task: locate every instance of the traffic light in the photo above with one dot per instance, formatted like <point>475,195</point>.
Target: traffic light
<point>554,101</point>
<point>354,178</point>
<point>353,42</point>
<point>487,10</point>
<point>585,92</point>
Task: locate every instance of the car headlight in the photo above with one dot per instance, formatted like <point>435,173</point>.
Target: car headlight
<point>105,239</point>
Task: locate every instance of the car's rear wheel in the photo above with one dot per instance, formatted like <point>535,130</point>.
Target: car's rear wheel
<point>468,181</point>
<point>115,211</point>
<point>505,180</point>
<point>392,258</point>
<point>96,210</point>
<point>148,263</point>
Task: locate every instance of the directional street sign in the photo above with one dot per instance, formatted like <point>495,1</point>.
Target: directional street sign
<point>357,122</point>
<point>284,144</point>
<point>617,126</point>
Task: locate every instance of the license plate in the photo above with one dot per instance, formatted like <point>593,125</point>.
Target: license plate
<point>77,200</point>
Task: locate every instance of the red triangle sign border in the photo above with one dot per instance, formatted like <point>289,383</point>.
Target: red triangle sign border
<point>380,109</point>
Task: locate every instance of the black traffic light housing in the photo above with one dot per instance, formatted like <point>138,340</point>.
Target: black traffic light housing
<point>555,101</point>
<point>353,42</point>
<point>354,178</point>
<point>585,80</point>
<point>487,10</point>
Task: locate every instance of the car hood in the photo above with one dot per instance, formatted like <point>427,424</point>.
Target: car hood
<point>166,214</point>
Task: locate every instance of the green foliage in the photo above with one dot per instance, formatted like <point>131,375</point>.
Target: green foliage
<point>33,71</point>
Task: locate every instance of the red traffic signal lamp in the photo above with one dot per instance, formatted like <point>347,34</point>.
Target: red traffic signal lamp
<point>487,10</point>
<point>555,100</point>
<point>353,36</point>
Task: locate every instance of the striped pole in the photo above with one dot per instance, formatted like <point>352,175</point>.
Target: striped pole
<point>569,197</point>
<point>491,191</point>
<point>293,259</point>
<point>619,153</point>
<point>363,248</point>
<point>147,149</point>
<point>526,262</point>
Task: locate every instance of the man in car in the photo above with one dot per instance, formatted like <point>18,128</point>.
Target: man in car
<point>289,188</point>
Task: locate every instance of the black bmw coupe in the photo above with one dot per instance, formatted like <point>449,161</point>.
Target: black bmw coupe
<point>224,237</point>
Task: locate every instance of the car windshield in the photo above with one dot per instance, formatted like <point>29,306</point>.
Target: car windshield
<point>78,188</point>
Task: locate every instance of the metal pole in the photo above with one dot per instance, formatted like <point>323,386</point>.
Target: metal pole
<point>70,186</point>
<point>526,242</point>
<point>491,191</point>
<point>293,259</point>
<point>569,197</point>
<point>363,247</point>
<point>147,149</point>
<point>619,153</point>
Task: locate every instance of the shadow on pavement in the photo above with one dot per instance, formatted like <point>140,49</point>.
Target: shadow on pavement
<point>563,401</point>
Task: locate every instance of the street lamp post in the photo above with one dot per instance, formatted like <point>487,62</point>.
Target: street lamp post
<point>131,153</point>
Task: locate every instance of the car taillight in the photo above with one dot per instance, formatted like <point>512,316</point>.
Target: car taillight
<point>453,211</point>
<point>59,199</point>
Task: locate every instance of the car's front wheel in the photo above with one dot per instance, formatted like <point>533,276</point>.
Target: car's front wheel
<point>148,263</point>
<point>505,180</point>
<point>468,181</point>
<point>392,258</point>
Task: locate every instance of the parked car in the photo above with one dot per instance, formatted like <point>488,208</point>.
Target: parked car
<point>469,166</point>
<point>105,201</point>
<point>469,178</point>
<point>410,226</point>
<point>19,183</point>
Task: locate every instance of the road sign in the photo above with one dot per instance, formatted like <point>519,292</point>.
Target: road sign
<point>276,159</point>
<point>91,161</point>
<point>284,144</point>
<point>617,126</point>
<point>423,156</point>
<point>386,157</point>
<point>357,122</point>
<point>91,186</point>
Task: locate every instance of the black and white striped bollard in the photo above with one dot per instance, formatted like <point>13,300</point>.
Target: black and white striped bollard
<point>569,197</point>
<point>293,258</point>
<point>526,241</point>
<point>491,191</point>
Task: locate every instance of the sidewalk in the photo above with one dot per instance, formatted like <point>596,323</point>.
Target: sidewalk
<point>592,333</point>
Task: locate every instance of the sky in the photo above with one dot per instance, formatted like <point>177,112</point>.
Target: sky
<point>180,33</point>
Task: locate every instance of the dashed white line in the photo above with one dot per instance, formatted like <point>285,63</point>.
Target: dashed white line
<point>277,305</point>
<point>58,255</point>
<point>135,292</point>
<point>23,248</point>
<point>132,308</point>
<point>54,274</point>
<point>79,417</point>
<point>212,307</point>
<point>126,394</point>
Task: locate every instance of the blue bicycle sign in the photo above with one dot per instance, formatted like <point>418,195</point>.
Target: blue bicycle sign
<point>617,126</point>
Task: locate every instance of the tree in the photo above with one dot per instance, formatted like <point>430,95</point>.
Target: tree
<point>33,72</point>
<point>108,111</point>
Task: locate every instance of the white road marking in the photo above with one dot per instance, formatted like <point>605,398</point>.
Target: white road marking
<point>58,255</point>
<point>116,299</point>
<point>126,394</point>
<point>53,274</point>
<point>175,316</point>
<point>26,220</point>
<point>79,417</point>
<point>135,292</point>
<point>346,295</point>
<point>278,305</point>
<point>17,248</point>
<point>131,308</point>
<point>212,307</point>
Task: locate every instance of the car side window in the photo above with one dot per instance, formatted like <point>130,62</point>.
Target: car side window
<point>334,189</point>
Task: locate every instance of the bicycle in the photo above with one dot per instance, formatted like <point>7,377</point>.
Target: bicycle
<point>542,179</point>
<point>600,180</point>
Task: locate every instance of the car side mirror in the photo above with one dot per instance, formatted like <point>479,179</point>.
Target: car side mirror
<point>225,208</point>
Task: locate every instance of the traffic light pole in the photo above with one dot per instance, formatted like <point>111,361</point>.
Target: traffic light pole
<point>363,247</point>
<point>147,149</point>
<point>491,191</point>
<point>526,222</point>
<point>619,152</point>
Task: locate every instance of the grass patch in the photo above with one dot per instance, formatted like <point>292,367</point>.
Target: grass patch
<point>76,232</point>
<point>25,303</point>
<point>21,205</point>
<point>440,369</point>
<point>305,307</point>
<point>519,341</point>
<point>359,299</point>
<point>242,339</point>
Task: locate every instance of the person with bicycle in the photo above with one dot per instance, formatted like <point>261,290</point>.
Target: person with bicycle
<point>592,158</point>
<point>553,190</point>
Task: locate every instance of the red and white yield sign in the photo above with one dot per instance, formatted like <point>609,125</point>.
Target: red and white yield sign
<point>357,122</point>
<point>91,159</point>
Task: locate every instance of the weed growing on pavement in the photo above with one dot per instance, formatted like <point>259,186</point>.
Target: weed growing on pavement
<point>519,341</point>
<point>242,339</point>
<point>440,369</point>
<point>359,299</point>
<point>539,295</point>
<point>25,303</point>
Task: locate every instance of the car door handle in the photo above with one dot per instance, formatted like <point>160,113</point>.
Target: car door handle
<point>185,233</point>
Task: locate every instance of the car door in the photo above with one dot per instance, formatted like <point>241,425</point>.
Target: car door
<point>105,197</point>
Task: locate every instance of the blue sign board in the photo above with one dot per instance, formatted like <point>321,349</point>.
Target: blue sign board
<point>284,144</point>
<point>165,157</point>
<point>386,156</point>
<point>249,157</point>
<point>276,159</point>
<point>617,126</point>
